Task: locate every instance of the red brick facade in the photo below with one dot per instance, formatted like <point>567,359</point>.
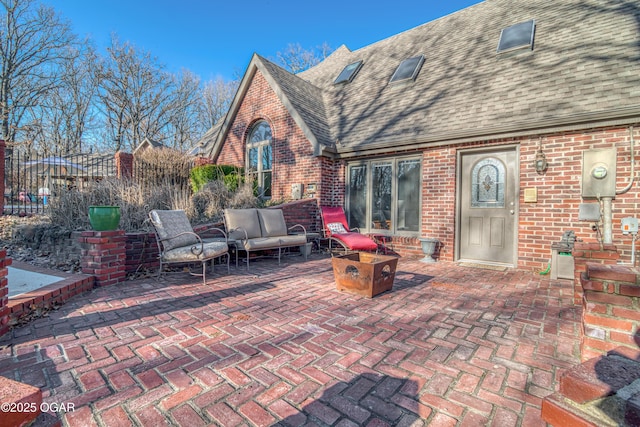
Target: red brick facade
<point>293,160</point>
<point>2,148</point>
<point>104,256</point>
<point>610,303</point>
<point>4,291</point>
<point>124,164</point>
<point>540,223</point>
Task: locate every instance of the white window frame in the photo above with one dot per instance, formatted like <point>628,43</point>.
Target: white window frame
<point>260,173</point>
<point>370,221</point>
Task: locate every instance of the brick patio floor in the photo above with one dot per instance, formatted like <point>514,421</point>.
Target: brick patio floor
<point>449,345</point>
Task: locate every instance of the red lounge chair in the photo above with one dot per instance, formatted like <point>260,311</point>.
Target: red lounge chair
<point>336,229</point>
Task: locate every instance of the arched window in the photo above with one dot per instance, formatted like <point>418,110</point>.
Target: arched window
<point>260,157</point>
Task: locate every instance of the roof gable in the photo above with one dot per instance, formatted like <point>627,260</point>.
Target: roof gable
<point>303,100</point>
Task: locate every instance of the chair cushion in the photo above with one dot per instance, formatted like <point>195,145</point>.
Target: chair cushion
<point>357,241</point>
<point>272,222</point>
<point>293,240</point>
<point>274,242</point>
<point>184,254</point>
<point>247,219</point>
<point>172,223</point>
<point>336,227</point>
<point>261,243</point>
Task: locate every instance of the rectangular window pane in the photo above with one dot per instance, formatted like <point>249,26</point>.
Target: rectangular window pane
<point>266,157</point>
<point>357,215</point>
<point>266,184</point>
<point>408,210</point>
<point>253,158</point>
<point>381,196</point>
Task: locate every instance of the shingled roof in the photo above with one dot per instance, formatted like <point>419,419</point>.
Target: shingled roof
<point>583,72</point>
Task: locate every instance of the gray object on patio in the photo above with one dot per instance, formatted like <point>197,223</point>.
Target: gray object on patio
<point>179,244</point>
<point>261,229</point>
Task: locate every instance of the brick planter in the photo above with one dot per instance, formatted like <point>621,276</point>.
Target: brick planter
<point>104,256</point>
<point>4,292</point>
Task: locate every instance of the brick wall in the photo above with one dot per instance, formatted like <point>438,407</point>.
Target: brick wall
<point>304,212</point>
<point>104,256</point>
<point>540,223</point>
<point>201,161</point>
<point>141,252</point>
<point>439,199</point>
<point>293,160</point>
<point>4,291</point>
<point>610,309</point>
<point>559,191</point>
<point>2,148</point>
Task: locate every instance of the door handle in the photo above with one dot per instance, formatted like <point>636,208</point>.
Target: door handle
<point>512,212</point>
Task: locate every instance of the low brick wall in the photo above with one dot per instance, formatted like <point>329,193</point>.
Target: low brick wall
<point>304,212</point>
<point>47,297</point>
<point>4,292</point>
<point>141,253</point>
<point>610,309</point>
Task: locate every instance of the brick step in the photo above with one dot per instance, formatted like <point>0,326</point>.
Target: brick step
<point>604,391</point>
<point>17,395</point>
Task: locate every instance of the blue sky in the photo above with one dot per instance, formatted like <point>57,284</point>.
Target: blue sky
<point>217,38</point>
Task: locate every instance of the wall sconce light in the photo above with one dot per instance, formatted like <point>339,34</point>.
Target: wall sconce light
<point>540,163</point>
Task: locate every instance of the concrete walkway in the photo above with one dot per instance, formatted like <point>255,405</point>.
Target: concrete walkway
<point>280,346</point>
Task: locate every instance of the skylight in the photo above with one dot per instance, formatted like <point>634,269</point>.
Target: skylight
<point>408,69</point>
<point>517,36</point>
<point>348,73</point>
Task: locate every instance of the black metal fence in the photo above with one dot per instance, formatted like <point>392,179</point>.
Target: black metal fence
<point>31,180</point>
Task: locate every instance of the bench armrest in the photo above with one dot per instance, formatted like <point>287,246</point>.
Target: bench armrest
<point>246,236</point>
<point>304,230</point>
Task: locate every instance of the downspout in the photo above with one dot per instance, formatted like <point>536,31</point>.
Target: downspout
<point>607,229</point>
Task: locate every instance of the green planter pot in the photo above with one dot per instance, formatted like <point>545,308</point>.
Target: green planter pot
<point>104,218</point>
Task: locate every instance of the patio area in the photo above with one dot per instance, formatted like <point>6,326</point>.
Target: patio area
<point>449,345</point>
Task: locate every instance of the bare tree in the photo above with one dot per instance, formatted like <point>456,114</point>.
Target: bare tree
<point>135,95</point>
<point>33,41</point>
<point>185,125</point>
<point>66,113</point>
<point>217,96</point>
<point>296,59</point>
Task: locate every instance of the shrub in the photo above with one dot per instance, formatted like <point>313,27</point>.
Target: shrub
<point>232,176</point>
<point>164,166</point>
<point>70,210</point>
